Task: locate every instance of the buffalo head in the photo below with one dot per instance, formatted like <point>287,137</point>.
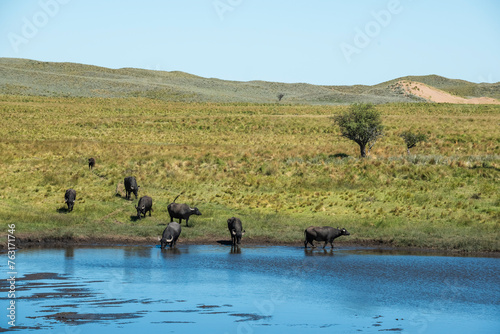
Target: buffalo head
<point>70,204</point>
<point>140,210</point>
<point>237,235</point>
<point>343,231</point>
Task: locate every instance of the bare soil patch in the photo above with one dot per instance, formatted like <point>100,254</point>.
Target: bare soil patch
<point>436,95</point>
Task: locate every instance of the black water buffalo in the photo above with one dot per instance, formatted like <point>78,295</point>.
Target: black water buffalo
<point>69,198</point>
<point>236,229</point>
<point>170,234</point>
<point>324,233</point>
<point>145,204</point>
<point>181,211</point>
<point>91,163</point>
<point>130,186</point>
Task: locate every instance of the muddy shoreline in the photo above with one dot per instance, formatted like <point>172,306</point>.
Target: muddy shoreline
<point>28,241</point>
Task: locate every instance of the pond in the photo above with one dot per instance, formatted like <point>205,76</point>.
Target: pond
<point>251,289</point>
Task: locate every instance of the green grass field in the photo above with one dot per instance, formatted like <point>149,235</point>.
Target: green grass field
<point>280,168</point>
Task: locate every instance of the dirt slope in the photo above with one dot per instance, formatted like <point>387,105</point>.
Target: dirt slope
<point>436,95</point>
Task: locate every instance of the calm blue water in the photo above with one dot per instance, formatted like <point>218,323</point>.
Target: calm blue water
<point>215,289</point>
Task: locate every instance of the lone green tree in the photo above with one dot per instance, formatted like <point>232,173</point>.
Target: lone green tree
<point>412,139</point>
<point>361,124</point>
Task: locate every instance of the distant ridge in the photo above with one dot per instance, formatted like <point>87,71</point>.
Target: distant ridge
<point>31,77</point>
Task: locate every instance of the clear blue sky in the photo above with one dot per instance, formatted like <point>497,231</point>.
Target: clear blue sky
<point>328,42</point>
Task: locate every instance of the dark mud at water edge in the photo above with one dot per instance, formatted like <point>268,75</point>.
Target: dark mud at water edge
<point>28,241</point>
<point>252,289</point>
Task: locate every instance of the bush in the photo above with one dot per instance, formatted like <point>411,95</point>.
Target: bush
<point>412,139</point>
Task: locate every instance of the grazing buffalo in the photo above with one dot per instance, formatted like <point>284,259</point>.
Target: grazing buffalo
<point>69,198</point>
<point>170,234</point>
<point>235,228</point>
<point>91,163</point>
<point>145,204</point>
<point>181,211</point>
<point>324,233</point>
<point>130,186</point>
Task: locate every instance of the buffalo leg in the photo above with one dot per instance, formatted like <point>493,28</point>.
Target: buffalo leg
<point>310,241</point>
<point>325,244</point>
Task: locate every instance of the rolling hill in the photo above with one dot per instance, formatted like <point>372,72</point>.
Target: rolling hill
<point>31,77</point>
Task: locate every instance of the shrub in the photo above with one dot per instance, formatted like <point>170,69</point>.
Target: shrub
<point>412,139</point>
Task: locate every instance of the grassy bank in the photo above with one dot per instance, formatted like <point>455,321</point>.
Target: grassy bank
<point>280,168</point>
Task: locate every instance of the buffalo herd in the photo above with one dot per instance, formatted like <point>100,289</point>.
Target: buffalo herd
<point>172,232</point>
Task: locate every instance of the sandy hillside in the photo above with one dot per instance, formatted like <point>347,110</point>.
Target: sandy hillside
<point>436,95</point>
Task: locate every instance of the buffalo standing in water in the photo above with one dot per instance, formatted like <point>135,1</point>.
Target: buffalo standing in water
<point>130,186</point>
<point>324,233</point>
<point>170,234</point>
<point>236,229</point>
<point>181,211</point>
<point>69,198</point>
<point>145,204</point>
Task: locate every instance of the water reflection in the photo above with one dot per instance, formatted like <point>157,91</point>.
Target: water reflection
<point>131,252</point>
<point>173,251</point>
<point>235,249</point>
<point>318,252</point>
<point>69,263</point>
<point>69,252</point>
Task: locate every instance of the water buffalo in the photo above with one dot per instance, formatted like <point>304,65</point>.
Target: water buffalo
<point>91,163</point>
<point>170,234</point>
<point>69,198</point>
<point>145,204</point>
<point>324,233</point>
<point>235,228</point>
<point>130,186</point>
<point>181,211</point>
